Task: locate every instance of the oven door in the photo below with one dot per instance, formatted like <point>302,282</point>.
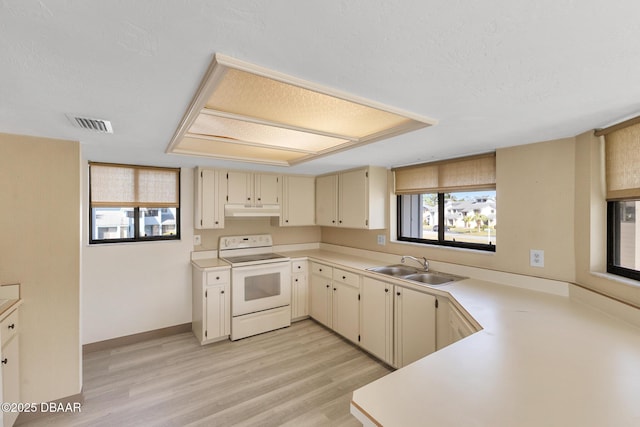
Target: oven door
<point>260,287</point>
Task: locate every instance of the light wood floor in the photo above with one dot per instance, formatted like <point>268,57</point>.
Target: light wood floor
<point>298,376</point>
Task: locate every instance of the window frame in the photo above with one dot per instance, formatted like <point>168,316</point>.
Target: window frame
<point>613,233</point>
<point>136,214</point>
<point>441,230</point>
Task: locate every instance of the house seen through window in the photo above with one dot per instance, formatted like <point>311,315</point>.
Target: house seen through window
<point>133,203</point>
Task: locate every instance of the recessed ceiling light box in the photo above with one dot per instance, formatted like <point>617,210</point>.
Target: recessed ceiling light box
<point>248,113</point>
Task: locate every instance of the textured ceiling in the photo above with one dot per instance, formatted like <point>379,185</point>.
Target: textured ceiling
<point>494,74</point>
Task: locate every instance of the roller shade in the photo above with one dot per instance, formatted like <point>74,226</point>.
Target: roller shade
<point>114,185</point>
<point>466,173</point>
<point>622,152</point>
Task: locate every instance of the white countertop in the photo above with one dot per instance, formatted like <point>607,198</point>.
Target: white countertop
<point>540,360</point>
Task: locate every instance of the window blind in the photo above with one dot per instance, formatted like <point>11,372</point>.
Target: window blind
<point>622,153</point>
<point>466,173</point>
<point>113,185</point>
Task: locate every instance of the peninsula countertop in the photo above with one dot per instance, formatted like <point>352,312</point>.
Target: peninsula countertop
<point>539,360</point>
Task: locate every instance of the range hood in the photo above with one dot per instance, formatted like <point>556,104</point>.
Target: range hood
<point>240,210</point>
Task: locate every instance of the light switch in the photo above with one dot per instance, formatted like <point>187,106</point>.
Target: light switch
<point>536,257</point>
<point>197,241</point>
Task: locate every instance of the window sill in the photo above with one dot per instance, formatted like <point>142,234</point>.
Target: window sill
<point>447,248</point>
<point>616,278</point>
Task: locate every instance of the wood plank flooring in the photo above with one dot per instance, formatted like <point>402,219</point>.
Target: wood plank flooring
<point>298,376</point>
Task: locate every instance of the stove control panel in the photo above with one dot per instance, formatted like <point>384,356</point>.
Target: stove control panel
<point>243,242</point>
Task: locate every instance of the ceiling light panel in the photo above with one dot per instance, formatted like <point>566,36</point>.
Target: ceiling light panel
<point>249,113</point>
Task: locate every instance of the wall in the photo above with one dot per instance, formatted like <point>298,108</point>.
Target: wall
<point>137,287</point>
<point>590,224</point>
<point>40,248</point>
<point>239,226</point>
<point>535,210</point>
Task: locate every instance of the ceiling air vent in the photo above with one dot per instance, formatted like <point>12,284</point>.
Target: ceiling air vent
<point>96,125</point>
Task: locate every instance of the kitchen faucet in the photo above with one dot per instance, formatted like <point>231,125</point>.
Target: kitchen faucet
<point>424,261</point>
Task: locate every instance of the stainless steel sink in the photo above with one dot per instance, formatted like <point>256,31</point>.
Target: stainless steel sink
<point>432,278</point>
<point>416,274</point>
<point>395,270</point>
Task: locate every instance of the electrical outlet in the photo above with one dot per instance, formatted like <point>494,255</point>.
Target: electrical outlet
<point>536,258</point>
<point>382,240</point>
<point>197,240</point>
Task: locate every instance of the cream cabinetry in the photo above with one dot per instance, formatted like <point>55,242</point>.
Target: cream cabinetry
<point>10,357</point>
<point>459,326</point>
<point>298,201</point>
<point>299,289</point>
<point>415,325</point>
<point>253,189</point>
<point>210,196</point>
<point>398,325</point>
<point>335,299</point>
<point>321,294</point>
<point>352,199</point>
<point>211,308</point>
<point>345,304</point>
<point>376,318</point>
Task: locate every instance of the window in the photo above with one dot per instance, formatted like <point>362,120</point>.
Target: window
<point>133,203</point>
<point>624,238</point>
<point>462,219</point>
<point>450,203</point>
<point>622,152</point>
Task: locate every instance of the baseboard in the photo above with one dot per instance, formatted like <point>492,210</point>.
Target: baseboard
<point>66,404</point>
<point>135,338</point>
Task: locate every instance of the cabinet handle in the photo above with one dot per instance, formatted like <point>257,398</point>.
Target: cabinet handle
<point>217,277</point>
<point>386,290</point>
<point>327,286</point>
<point>4,361</point>
<point>296,280</point>
<point>398,293</point>
<point>299,267</point>
<point>333,221</point>
<point>340,221</point>
<point>259,198</point>
<point>319,269</point>
<point>12,326</point>
<point>248,198</point>
<point>216,222</point>
<point>344,277</point>
<point>286,220</point>
<point>334,289</point>
<point>222,292</point>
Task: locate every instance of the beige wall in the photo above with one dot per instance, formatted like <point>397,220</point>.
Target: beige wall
<point>239,226</point>
<point>535,186</point>
<point>40,248</point>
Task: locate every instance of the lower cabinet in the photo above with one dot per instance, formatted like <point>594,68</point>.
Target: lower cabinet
<point>376,318</point>
<point>335,299</point>
<point>299,290</point>
<point>211,304</point>
<point>10,356</point>
<point>459,326</point>
<point>398,325</point>
<point>415,325</point>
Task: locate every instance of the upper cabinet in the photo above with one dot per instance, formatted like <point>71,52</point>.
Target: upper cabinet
<point>210,197</point>
<point>298,201</point>
<point>352,199</point>
<point>253,189</point>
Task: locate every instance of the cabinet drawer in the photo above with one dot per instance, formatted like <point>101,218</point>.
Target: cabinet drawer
<point>299,266</point>
<point>321,270</point>
<point>216,277</point>
<point>347,277</point>
<point>9,327</point>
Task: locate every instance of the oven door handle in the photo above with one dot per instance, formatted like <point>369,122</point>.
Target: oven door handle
<point>264,267</point>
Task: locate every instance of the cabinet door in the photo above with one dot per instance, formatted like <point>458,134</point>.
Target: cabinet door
<point>299,296</point>
<point>11,377</point>
<point>346,311</point>
<point>240,187</point>
<point>321,299</point>
<point>210,196</point>
<point>415,332</point>
<point>218,311</point>
<point>267,189</point>
<point>353,199</point>
<point>376,318</point>
<point>327,200</point>
<point>299,201</point>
